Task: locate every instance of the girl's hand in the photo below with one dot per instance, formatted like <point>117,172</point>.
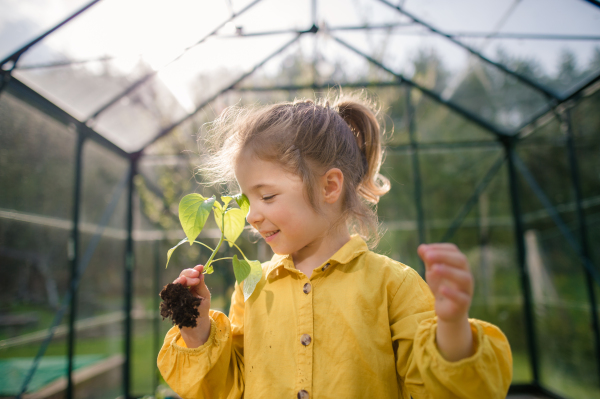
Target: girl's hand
<point>450,280</point>
<point>193,278</point>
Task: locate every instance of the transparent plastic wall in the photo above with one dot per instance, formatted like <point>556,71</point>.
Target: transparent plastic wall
<point>559,286</point>
<point>100,297</point>
<point>36,186</point>
<point>465,199</point>
<point>586,129</point>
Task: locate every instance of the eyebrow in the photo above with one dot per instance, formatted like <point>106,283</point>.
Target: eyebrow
<point>260,185</point>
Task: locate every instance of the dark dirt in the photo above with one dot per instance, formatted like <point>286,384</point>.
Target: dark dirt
<point>179,305</point>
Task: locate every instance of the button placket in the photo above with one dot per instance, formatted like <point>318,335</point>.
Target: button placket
<point>305,339</point>
<point>303,394</point>
<point>305,331</point>
<point>307,288</point>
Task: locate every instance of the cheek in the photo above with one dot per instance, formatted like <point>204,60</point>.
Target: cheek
<point>281,215</point>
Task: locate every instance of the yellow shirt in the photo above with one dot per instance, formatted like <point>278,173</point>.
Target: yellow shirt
<point>362,326</point>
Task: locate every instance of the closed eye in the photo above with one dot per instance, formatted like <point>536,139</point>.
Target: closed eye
<point>268,198</point>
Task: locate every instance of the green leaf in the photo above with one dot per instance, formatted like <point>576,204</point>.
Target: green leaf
<point>218,214</point>
<point>193,212</point>
<point>241,269</point>
<point>209,270</point>
<point>252,279</point>
<point>243,202</point>
<point>234,222</point>
<point>170,252</point>
<point>226,200</point>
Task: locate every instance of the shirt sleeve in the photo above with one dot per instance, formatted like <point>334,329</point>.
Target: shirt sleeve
<point>213,370</point>
<point>422,370</point>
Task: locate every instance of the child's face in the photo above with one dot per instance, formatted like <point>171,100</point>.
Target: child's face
<point>278,208</point>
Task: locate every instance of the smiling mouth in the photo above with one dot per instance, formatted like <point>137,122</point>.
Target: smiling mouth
<point>271,233</point>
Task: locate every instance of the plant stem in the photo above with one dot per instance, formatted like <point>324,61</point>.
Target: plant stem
<point>201,243</point>
<point>221,259</point>
<point>218,245</point>
<point>238,248</point>
<point>214,252</point>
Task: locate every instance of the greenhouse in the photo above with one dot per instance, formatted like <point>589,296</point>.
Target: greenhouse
<point>492,121</point>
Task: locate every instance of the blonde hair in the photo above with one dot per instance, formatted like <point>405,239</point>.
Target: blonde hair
<point>307,137</point>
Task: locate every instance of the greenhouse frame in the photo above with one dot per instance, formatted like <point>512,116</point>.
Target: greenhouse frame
<point>96,150</point>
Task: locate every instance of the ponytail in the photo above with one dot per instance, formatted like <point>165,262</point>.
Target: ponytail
<point>365,128</point>
<point>307,137</point>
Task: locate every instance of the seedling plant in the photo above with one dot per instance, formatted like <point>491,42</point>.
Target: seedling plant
<point>194,210</point>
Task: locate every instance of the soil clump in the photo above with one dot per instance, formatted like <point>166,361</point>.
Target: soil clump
<point>179,305</point>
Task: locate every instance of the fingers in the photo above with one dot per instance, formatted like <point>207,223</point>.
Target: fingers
<point>449,278</point>
<point>199,268</point>
<point>440,245</point>
<point>462,279</point>
<point>443,253</point>
<point>460,298</point>
<point>190,277</point>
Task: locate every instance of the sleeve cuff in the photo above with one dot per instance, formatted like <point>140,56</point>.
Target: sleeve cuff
<point>178,344</point>
<point>478,337</point>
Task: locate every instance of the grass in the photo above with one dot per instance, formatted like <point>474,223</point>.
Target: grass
<point>143,362</point>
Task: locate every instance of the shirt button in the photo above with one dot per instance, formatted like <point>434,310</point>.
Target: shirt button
<point>326,266</point>
<point>303,394</point>
<point>306,288</point>
<point>305,340</point>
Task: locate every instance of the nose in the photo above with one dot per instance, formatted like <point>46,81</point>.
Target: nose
<point>254,216</point>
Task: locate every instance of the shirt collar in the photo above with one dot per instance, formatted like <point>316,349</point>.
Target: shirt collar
<point>345,254</point>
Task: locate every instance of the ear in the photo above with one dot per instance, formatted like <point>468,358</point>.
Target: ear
<point>333,185</point>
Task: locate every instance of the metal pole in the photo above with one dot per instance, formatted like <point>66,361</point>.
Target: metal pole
<point>5,77</point>
<point>129,263</point>
<point>583,235</point>
<point>414,152</point>
<point>594,2</point>
<point>524,273</point>
<point>73,251</point>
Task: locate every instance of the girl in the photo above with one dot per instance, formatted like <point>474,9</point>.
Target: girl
<point>329,318</point>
